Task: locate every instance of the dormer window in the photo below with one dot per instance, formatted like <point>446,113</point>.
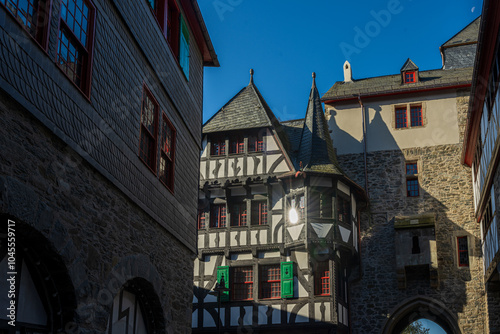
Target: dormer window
<point>256,142</point>
<point>236,145</point>
<point>410,77</point>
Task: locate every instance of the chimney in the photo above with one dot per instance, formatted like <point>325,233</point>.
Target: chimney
<point>347,72</point>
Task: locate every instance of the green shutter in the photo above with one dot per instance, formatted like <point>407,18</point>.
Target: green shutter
<point>184,48</point>
<point>286,279</point>
<point>223,271</point>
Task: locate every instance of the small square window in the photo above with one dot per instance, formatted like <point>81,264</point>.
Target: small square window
<point>410,77</point>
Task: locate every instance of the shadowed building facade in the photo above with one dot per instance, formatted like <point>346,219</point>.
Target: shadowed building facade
<point>100,122</point>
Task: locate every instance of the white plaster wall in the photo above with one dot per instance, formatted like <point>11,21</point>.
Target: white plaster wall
<point>317,312</point>
<point>271,143</point>
<point>270,159</point>
<point>353,205</point>
<point>345,189</point>
<point>211,240</point>
<point>201,240</point>
<point>262,317</point>
<point>204,150</point>
<point>302,292</point>
<point>232,239</point>
<point>250,166</point>
<point>276,315</point>
<point>282,167</point>
<point>235,315</point>
<point>276,220</point>
<point>196,267</point>
<point>258,189</point>
<point>268,255</point>
<point>203,168</point>
<point>277,194</point>
<point>208,321</point>
<point>209,264</point>
<point>302,259</point>
<point>222,239</point>
<point>241,256</point>
<point>253,237</point>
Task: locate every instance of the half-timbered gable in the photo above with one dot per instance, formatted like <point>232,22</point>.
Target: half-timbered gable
<point>277,221</point>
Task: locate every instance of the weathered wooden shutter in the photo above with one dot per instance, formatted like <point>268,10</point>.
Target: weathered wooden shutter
<point>223,271</point>
<point>286,279</point>
<point>184,48</point>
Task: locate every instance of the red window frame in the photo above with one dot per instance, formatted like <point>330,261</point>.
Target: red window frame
<point>270,282</point>
<point>463,251</point>
<point>236,145</point>
<point>242,283</point>
<point>322,279</point>
<point>167,153</point>
<point>256,143</point>
<point>416,115</point>
<point>201,219</point>
<point>401,119</point>
<point>38,28</point>
<point>410,77</point>
<point>76,43</point>
<point>239,214</point>
<point>218,147</point>
<point>149,132</point>
<point>259,212</point>
<point>412,186</point>
<point>218,216</point>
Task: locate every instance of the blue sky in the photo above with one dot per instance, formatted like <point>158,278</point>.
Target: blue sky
<point>284,41</point>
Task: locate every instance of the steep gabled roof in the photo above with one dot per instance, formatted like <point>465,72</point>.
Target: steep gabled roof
<point>316,151</point>
<point>409,65</point>
<point>468,34</point>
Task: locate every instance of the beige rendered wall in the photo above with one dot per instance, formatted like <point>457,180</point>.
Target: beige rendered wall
<point>439,117</point>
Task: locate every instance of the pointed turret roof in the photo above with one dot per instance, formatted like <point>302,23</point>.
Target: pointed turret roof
<point>316,151</point>
<point>246,110</point>
<point>409,65</point>
<point>468,34</point>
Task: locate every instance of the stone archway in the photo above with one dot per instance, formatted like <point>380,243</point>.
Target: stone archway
<point>418,308</point>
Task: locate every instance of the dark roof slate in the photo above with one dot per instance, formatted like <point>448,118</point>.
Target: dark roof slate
<point>392,83</point>
<point>409,65</point>
<point>468,34</point>
<point>316,151</point>
<point>293,129</point>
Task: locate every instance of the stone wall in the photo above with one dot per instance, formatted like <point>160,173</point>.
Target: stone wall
<point>103,238</point>
<point>459,56</point>
<point>446,191</point>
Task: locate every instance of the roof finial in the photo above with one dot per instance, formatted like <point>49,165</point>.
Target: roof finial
<point>251,75</point>
<point>314,78</point>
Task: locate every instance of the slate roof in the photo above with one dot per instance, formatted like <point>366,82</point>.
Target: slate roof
<point>391,84</point>
<point>316,151</point>
<point>468,34</point>
<point>409,65</point>
<point>293,129</point>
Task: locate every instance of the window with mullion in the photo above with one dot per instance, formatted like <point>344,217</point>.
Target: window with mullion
<point>322,279</point>
<point>410,77</point>
<point>416,115</point>
<point>75,41</point>
<point>33,15</point>
<point>401,118</point>
<point>239,214</point>
<point>149,121</point>
<point>218,216</point>
<point>256,143</point>
<point>412,187</point>
<point>259,212</point>
<point>218,147</point>
<point>237,145</point>
<point>243,283</point>
<point>270,282</point>
<point>201,219</point>
<point>167,147</point>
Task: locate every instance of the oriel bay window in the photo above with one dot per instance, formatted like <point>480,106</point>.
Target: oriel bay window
<point>322,279</point>
<point>33,15</point>
<point>149,123</point>
<point>242,283</point>
<point>76,39</point>
<point>218,215</point>
<point>343,209</point>
<point>320,204</point>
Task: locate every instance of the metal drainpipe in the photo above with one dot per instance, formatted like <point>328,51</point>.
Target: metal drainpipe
<point>364,144</point>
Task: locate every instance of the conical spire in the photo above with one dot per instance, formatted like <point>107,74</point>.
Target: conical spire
<point>316,151</point>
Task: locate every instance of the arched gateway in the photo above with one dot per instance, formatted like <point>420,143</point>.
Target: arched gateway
<point>418,308</point>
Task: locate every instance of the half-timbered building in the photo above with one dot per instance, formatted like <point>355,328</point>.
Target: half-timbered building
<point>278,222</point>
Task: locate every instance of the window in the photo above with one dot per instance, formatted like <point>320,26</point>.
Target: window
<point>172,33</point>
<point>463,251</point>
<point>416,115</point>
<point>259,213</point>
<point>401,117</point>
<point>342,286</point>
<point>184,48</point>
<point>158,9</point>
<point>167,154</point>
<point>270,282</point>
<point>320,203</point>
<point>237,145</point>
<point>239,214</point>
<point>256,142</point>
<point>74,53</point>
<point>218,146</point>
<point>410,77</point>
<point>412,188</point>
<point>243,283</point>
<point>149,121</point>
<point>343,210</point>
<point>322,279</point>
<point>218,215</point>
<point>33,15</point>
<point>201,219</point>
